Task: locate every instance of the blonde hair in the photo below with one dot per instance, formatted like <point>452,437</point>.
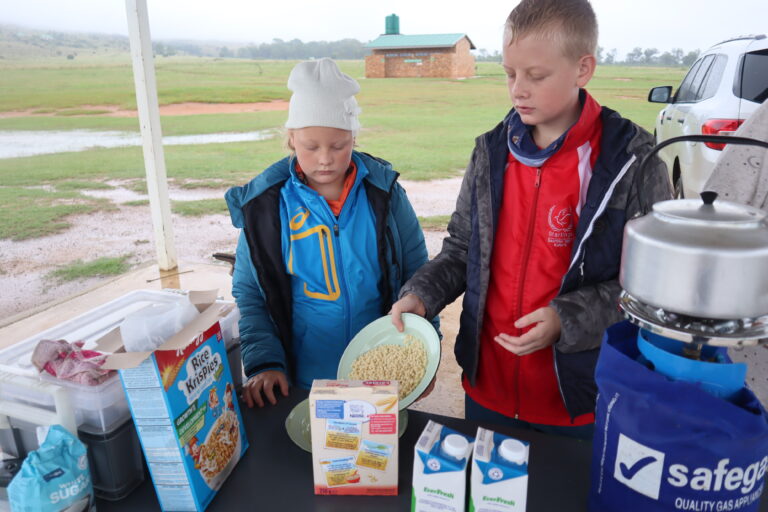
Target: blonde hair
<point>292,150</point>
<point>287,142</point>
<point>570,23</point>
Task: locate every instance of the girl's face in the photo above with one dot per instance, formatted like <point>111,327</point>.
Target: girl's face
<point>323,154</point>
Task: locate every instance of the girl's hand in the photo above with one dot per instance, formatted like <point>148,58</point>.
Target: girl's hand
<point>264,382</point>
<point>546,332</point>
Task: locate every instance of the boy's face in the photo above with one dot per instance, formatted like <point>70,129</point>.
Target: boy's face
<point>544,83</point>
<point>323,154</point>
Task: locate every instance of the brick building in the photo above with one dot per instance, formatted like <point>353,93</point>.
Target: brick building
<point>396,55</point>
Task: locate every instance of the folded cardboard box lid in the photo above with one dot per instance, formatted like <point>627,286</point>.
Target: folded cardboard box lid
<point>209,312</point>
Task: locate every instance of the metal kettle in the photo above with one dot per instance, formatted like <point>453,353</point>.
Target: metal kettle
<point>698,265</point>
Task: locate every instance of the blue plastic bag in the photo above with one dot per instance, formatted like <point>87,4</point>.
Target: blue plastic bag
<point>665,445</point>
<point>54,478</point>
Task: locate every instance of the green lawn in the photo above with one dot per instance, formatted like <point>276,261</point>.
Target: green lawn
<point>100,267</point>
<point>425,127</point>
<point>434,223</point>
<point>49,83</point>
<point>34,212</point>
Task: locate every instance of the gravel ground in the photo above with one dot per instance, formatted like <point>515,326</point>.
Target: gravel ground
<point>25,264</point>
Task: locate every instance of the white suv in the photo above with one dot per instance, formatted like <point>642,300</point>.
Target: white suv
<point>723,87</point>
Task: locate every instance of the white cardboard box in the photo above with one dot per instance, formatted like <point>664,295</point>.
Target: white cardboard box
<point>498,483</point>
<point>439,479</point>
<point>354,436</point>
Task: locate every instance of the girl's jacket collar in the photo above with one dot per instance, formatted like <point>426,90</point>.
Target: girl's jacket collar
<point>380,175</point>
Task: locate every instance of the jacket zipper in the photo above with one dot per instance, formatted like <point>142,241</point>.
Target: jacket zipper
<point>395,261</point>
<point>342,281</point>
<point>579,256</point>
<point>526,257</point>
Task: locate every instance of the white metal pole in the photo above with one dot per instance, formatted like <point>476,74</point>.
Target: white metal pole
<point>151,133</point>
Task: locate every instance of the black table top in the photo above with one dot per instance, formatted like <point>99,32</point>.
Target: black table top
<point>275,474</point>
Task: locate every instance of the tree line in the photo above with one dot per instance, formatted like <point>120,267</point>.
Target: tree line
<point>650,57</point>
<point>296,49</point>
<point>278,49</point>
<point>637,57</point>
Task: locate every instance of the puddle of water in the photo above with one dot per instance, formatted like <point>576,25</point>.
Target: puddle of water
<point>123,195</point>
<point>15,144</point>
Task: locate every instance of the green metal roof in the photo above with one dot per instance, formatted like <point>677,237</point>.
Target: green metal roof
<point>397,41</point>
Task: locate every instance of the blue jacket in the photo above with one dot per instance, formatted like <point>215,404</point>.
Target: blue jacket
<point>588,300</point>
<point>302,338</point>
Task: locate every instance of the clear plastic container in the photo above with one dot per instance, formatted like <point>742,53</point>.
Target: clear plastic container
<point>101,412</point>
<point>98,408</point>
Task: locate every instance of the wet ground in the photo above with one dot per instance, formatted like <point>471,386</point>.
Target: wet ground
<point>21,143</point>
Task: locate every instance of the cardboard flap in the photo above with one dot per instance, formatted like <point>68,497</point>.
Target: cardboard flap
<point>110,342</point>
<point>125,360</point>
<point>201,299</point>
<point>210,313</point>
<point>206,319</point>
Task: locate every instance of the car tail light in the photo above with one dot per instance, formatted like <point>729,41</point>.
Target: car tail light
<point>719,127</point>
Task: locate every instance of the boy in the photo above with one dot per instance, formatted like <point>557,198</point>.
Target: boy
<point>535,241</point>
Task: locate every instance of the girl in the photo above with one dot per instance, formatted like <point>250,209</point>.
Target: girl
<point>328,237</point>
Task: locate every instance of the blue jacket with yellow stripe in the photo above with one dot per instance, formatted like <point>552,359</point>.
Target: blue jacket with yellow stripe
<point>306,281</point>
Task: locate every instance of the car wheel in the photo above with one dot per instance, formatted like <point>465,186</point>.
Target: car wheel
<point>678,191</point>
<point>677,182</point>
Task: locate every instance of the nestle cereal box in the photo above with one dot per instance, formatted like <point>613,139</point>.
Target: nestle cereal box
<point>354,436</point>
<point>185,409</point>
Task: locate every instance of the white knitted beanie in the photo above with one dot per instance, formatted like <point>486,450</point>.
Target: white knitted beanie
<point>322,96</point>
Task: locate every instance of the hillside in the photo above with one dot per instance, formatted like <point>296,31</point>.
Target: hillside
<point>22,43</point>
<point>18,43</point>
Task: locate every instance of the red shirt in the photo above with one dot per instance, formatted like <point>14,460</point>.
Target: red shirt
<point>349,180</point>
<point>531,254</point>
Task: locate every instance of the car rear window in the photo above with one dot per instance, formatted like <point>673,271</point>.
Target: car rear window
<point>713,78</point>
<point>687,90</point>
<point>752,79</point>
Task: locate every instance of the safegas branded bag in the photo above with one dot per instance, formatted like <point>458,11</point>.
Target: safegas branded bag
<point>664,445</point>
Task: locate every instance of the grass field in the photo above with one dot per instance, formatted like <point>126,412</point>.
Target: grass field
<point>100,267</point>
<point>425,127</point>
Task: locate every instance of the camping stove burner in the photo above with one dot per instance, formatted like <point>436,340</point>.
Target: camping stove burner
<point>738,332</point>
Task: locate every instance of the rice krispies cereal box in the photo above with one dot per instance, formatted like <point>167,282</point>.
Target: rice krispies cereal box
<point>186,413</point>
<point>354,436</point>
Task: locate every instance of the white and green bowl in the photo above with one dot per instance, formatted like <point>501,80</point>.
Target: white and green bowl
<point>382,332</point>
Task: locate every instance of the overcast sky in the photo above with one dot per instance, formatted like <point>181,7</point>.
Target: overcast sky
<point>624,24</point>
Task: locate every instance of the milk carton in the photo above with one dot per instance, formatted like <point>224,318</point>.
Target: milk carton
<point>499,473</point>
<point>439,470</point>
<point>354,436</point>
